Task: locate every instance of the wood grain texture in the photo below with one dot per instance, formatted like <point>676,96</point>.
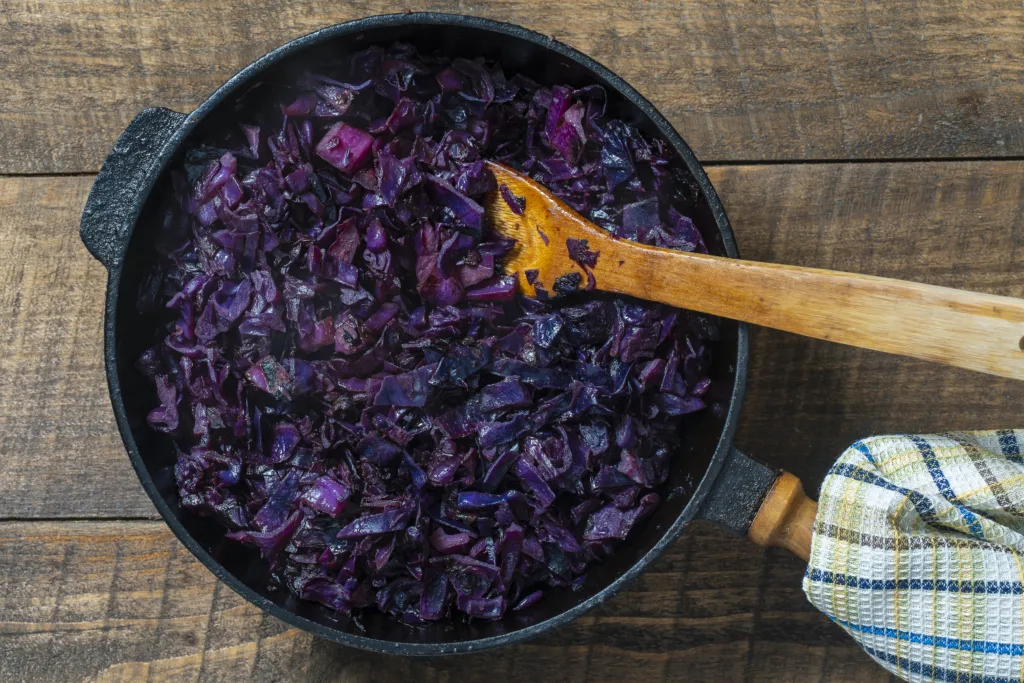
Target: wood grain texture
<point>60,453</point>
<point>747,80</point>
<point>123,601</point>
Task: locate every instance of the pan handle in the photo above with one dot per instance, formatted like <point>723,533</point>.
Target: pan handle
<point>767,506</point>
<point>110,210</point>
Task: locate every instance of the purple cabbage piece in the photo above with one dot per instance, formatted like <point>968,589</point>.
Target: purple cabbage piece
<point>501,288</point>
<point>579,251</point>
<point>355,386</point>
<point>638,217</point>
<point>376,524</point>
<point>269,542</point>
<point>531,599</point>
<point>468,212</point>
<point>475,500</point>
<point>165,418</point>
<point>449,79</point>
<point>278,506</point>
<point>534,483</point>
<point>327,496</point>
<point>499,467</point>
<point>482,89</point>
<point>396,177</point>
<point>329,593</point>
<point>286,438</point>
<point>504,395</point>
<point>483,608</point>
<point>408,389</point>
<point>447,544</point>
<point>377,450</point>
<point>516,203</point>
<point>616,157</point>
<point>611,522</point>
<point>345,147</point>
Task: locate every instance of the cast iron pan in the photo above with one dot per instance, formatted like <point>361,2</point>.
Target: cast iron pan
<point>717,482</point>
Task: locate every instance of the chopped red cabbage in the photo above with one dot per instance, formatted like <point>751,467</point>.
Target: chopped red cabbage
<point>516,203</point>
<point>345,147</point>
<point>354,384</point>
<point>579,251</point>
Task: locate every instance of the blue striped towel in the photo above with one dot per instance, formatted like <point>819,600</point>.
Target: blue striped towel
<point>918,553</point>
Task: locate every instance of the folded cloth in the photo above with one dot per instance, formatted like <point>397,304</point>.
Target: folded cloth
<point>918,553</point>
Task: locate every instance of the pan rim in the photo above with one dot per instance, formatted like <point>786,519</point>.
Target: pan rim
<point>166,153</point>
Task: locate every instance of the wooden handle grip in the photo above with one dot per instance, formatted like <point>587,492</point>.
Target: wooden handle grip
<point>982,332</point>
<point>786,518</point>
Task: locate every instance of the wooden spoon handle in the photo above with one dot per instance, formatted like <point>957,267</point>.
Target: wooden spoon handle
<point>786,518</point>
<point>970,330</point>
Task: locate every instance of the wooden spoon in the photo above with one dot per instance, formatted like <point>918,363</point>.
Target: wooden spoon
<point>980,332</point>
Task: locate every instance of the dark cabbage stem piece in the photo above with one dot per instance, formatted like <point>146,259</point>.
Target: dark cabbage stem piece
<point>516,203</point>
<point>355,387</point>
<point>568,283</point>
<point>579,251</point>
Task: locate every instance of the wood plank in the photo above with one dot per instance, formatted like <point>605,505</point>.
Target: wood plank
<point>957,224</point>
<point>951,223</point>
<point>747,80</point>
<point>123,601</point>
<point>60,453</point>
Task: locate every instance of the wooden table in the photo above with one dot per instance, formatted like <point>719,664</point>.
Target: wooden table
<point>877,137</point>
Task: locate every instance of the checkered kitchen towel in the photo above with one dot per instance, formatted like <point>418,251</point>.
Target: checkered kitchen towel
<point>918,553</point>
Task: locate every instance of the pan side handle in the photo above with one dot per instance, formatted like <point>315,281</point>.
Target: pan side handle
<point>107,219</point>
<point>767,506</point>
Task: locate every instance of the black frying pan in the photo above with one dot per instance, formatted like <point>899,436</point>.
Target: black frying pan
<point>717,481</point>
